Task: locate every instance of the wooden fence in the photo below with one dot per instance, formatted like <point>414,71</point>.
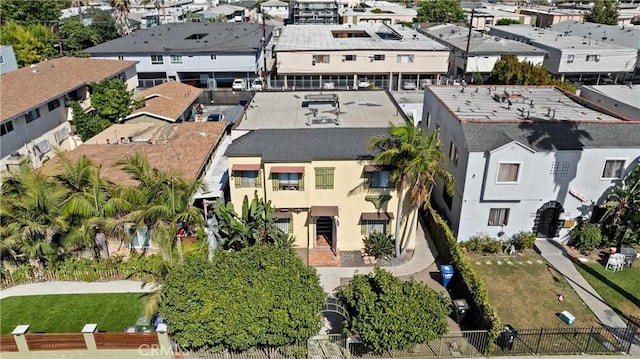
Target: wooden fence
<point>9,280</point>
<point>55,341</point>
<point>125,340</point>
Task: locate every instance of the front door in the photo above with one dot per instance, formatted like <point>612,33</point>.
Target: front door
<point>324,233</point>
<point>548,224</point>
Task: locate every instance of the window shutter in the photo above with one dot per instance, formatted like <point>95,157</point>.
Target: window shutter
<point>237,179</point>
<point>290,225</point>
<point>301,182</point>
<point>259,179</point>
<point>319,178</point>
<point>275,182</point>
<point>329,178</point>
<point>363,227</point>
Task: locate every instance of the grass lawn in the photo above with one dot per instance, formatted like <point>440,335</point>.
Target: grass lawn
<point>68,313</point>
<point>525,293</point>
<point>621,290</point>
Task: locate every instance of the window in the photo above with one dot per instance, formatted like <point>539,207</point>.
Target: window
<point>453,153</point>
<point>428,119</point>
<point>320,59</point>
<point>324,177</point>
<point>349,57</point>
<point>613,168</point>
<point>284,224</point>
<point>379,179</point>
<point>445,196</point>
<point>378,57</point>
<point>377,225</point>
<point>1,60</point>
<point>53,104</point>
<point>140,238</point>
<point>247,179</point>
<point>508,172</point>
<point>405,59</point>
<point>122,77</point>
<point>287,182</point>
<point>176,59</point>
<point>498,216</point>
<point>570,58</point>
<point>32,115</point>
<point>156,60</point>
<point>595,58</point>
<point>6,128</point>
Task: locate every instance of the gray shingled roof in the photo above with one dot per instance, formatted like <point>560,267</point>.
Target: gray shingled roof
<point>224,37</point>
<point>304,145</point>
<point>548,136</point>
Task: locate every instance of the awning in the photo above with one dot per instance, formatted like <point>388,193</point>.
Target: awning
<point>248,167</point>
<point>287,169</point>
<point>376,168</point>
<point>282,215</point>
<point>324,211</point>
<point>376,216</point>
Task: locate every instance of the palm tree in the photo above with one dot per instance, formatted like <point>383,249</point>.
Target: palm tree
<point>32,205</point>
<point>621,218</point>
<point>417,162</point>
<point>121,14</point>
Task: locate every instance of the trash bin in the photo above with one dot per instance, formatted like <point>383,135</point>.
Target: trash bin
<point>447,274</point>
<point>461,308</point>
<point>507,338</point>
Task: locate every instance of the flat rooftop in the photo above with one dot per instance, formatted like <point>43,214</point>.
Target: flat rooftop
<point>182,149</point>
<point>279,110</point>
<point>629,95</point>
<point>456,36</point>
<point>628,36</point>
<point>528,103</point>
<point>363,36</point>
<point>554,39</point>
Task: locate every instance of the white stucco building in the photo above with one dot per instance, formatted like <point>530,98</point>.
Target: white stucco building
<point>526,158</point>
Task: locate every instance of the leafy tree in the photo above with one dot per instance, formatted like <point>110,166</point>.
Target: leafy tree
<point>44,12</point>
<point>417,161</point>
<point>31,44</point>
<point>586,236</point>
<point>388,314</point>
<point>448,11</point>
<point>510,71</point>
<point>506,21</point>
<point>603,12</point>
<point>78,36</point>
<point>103,24</point>
<point>87,124</point>
<point>621,219</point>
<point>259,296</point>
<point>111,99</point>
<point>121,15</point>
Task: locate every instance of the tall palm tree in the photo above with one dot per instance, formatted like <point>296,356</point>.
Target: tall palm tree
<point>417,161</point>
<point>32,204</point>
<point>121,14</point>
<point>621,218</point>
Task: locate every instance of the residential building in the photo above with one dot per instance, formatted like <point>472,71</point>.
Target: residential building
<point>317,11</point>
<point>169,102</point>
<point>626,12</point>
<point>35,99</point>
<point>484,50</point>
<point>624,36</point>
<point>232,13</point>
<point>483,19</point>
<point>577,57</point>
<point>275,8</point>
<point>185,150</point>
<point>201,54</point>
<point>621,99</point>
<point>526,158</point>
<point>357,56</point>
<point>379,11</point>
<point>547,17</point>
<point>307,153</point>
<point>153,13</point>
<point>8,60</point>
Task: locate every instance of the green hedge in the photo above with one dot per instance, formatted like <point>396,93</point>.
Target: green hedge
<point>465,281</point>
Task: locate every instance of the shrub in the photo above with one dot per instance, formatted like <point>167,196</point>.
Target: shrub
<point>379,245</point>
<point>483,243</point>
<point>524,240</point>
<point>586,236</point>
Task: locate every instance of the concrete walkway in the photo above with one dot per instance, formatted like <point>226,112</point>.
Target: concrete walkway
<point>555,254</point>
<point>61,287</point>
<point>423,256</point>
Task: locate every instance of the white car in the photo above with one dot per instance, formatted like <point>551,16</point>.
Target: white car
<point>239,85</point>
<point>257,84</point>
<point>409,85</point>
<point>329,85</point>
<point>363,84</point>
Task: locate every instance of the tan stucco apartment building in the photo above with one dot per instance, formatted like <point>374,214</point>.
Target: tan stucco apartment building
<point>306,152</point>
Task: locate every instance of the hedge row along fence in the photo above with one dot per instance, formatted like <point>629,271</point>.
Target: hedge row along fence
<point>465,280</point>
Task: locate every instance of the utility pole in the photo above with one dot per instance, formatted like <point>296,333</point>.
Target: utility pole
<point>265,71</point>
<point>466,53</point>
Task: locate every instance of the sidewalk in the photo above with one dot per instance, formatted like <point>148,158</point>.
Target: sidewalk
<point>60,287</point>
<point>423,256</point>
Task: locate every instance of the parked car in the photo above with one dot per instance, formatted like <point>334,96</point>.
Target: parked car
<point>424,83</point>
<point>329,85</point>
<point>215,117</point>
<point>409,85</point>
<point>257,84</point>
<point>239,84</point>
<point>363,84</point>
